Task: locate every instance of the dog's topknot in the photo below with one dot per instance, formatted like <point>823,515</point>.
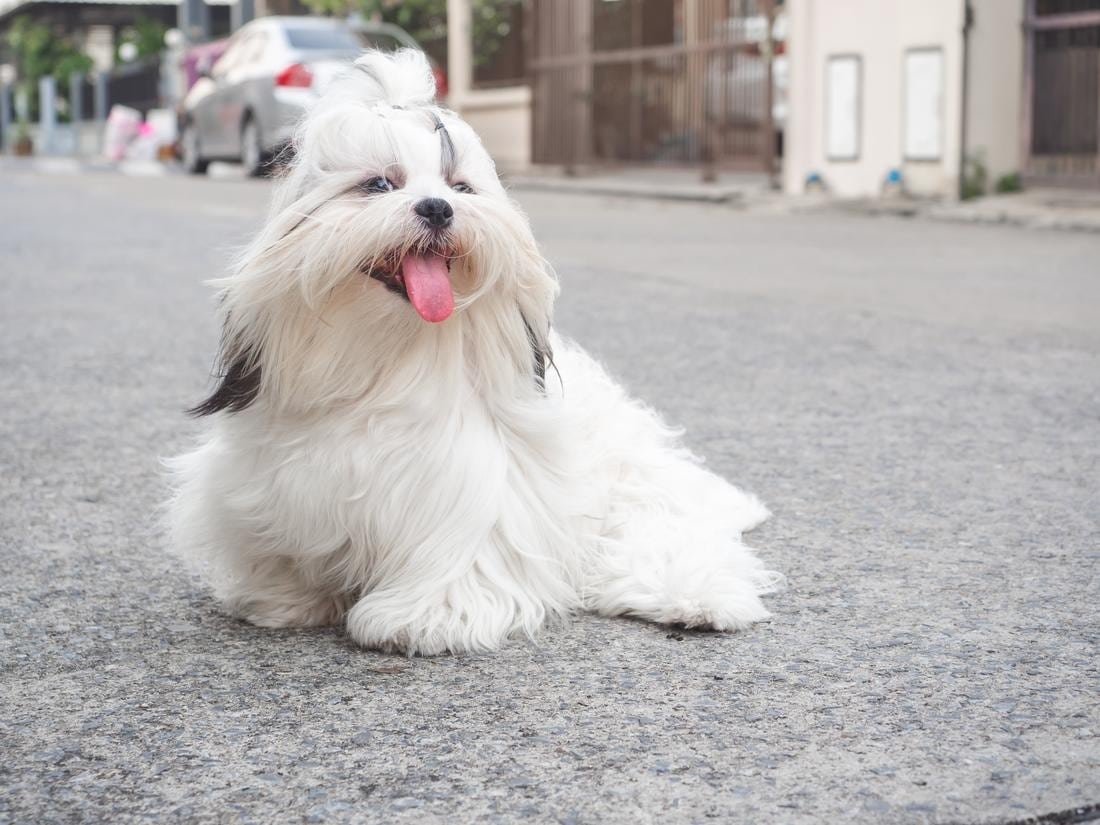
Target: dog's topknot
<point>334,133</point>
<point>402,78</point>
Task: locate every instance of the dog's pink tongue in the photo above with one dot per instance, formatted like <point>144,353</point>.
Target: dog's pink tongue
<point>428,285</point>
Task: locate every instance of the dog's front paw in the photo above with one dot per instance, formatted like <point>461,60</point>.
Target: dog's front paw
<point>729,613</point>
<point>385,621</point>
<point>319,612</point>
<point>697,597</point>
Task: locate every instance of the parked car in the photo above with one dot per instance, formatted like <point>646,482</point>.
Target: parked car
<point>244,106</point>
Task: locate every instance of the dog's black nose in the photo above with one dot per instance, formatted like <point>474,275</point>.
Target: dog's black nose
<point>435,211</point>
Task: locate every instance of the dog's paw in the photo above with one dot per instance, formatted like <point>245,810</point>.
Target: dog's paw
<point>723,600</point>
<point>383,622</point>
<point>323,611</point>
<point>729,614</point>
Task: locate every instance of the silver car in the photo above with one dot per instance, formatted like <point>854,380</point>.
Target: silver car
<point>246,105</point>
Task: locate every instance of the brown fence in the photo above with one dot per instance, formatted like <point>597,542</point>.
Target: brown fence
<point>1062,92</point>
<point>653,81</point>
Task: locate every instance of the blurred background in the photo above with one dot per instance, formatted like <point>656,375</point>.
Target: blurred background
<point>855,98</point>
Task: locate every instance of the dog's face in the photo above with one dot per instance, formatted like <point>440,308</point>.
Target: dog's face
<point>404,185</point>
<point>389,223</point>
<point>424,196</point>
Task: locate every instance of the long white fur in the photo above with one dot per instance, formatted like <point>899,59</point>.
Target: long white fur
<point>412,479</point>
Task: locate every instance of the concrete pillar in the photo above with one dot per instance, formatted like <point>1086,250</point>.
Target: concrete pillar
<point>47,113</point>
<point>805,97</point>
<point>241,12</point>
<point>5,116</point>
<point>502,116</point>
<point>76,97</point>
<point>100,102</point>
<point>76,109</point>
<point>582,86</point>
<point>460,53</point>
<point>194,20</point>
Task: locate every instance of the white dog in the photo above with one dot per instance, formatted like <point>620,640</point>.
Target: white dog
<point>400,443</point>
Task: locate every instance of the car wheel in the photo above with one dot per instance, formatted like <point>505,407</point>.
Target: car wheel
<point>252,149</point>
<point>191,152</point>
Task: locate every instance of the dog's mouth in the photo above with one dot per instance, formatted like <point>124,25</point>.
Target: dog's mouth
<point>421,277</point>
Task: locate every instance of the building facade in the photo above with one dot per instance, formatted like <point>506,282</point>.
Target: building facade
<point>894,93</point>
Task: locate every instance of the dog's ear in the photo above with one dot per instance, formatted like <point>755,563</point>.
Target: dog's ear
<point>238,384</point>
<point>538,286</point>
<point>541,353</point>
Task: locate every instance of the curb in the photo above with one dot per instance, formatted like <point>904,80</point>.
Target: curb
<point>1064,223</point>
<point>624,189</point>
<point>77,166</point>
<point>988,215</point>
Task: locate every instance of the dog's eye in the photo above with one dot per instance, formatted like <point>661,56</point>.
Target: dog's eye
<point>464,188</point>
<point>378,184</point>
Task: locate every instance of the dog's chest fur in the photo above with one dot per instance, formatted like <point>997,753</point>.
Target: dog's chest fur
<point>363,487</point>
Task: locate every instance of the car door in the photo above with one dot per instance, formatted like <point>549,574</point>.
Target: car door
<point>206,112</point>
<point>220,129</point>
<point>254,81</point>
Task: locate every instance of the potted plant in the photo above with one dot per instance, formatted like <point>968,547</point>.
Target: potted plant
<point>38,52</point>
<point>23,144</point>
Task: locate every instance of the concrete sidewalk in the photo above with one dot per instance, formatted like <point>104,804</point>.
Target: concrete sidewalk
<point>1033,209</point>
<point>1065,209</point>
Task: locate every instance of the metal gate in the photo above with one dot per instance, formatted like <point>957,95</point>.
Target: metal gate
<point>1061,130</point>
<point>653,81</point>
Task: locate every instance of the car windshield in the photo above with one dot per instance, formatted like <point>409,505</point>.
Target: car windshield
<point>322,39</point>
<point>380,41</point>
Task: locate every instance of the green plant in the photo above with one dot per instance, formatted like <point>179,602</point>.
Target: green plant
<point>30,46</point>
<point>22,143</point>
<point>975,178</point>
<point>1009,183</point>
<point>68,64</point>
<point>38,53</point>
<point>146,34</point>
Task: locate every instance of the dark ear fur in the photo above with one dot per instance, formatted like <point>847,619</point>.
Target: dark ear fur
<point>238,386</point>
<point>541,354</point>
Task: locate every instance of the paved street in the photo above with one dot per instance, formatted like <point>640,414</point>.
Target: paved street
<point>918,403</point>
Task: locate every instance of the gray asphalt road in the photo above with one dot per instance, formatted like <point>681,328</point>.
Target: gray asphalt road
<point>919,403</point>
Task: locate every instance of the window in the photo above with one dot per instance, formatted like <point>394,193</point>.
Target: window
<point>322,39</point>
<point>381,41</point>
<point>1048,7</point>
<point>625,24</point>
<point>923,113</point>
<point>843,101</point>
<point>499,58</point>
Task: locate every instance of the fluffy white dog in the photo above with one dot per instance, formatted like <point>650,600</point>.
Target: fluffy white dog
<point>399,442</point>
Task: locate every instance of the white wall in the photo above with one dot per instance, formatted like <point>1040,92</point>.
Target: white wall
<point>880,32</point>
<point>501,116</point>
<point>996,80</point>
